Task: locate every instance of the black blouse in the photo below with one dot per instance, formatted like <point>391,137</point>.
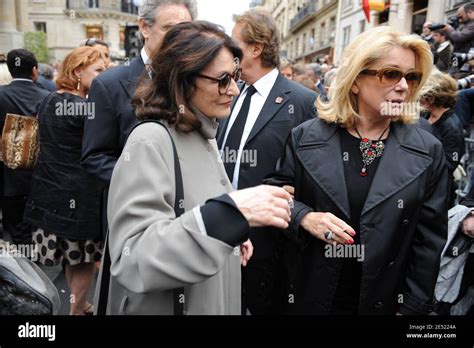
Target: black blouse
<point>346,299</point>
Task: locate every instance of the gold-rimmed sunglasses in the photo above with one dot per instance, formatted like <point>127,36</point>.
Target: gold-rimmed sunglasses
<point>225,80</point>
<point>391,76</point>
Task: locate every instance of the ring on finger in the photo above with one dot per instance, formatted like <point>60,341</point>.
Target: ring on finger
<point>328,235</point>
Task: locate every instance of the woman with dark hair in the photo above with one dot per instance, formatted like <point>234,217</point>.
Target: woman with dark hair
<point>153,250</point>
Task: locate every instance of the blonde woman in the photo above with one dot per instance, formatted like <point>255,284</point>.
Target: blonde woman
<point>370,212</point>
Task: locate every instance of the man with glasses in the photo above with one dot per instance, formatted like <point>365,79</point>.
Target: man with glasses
<point>252,139</point>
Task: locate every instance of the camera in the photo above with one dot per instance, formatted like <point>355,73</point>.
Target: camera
<point>461,58</point>
<point>452,21</point>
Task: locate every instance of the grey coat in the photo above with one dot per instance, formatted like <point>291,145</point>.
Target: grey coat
<point>152,252</point>
<point>451,270</point>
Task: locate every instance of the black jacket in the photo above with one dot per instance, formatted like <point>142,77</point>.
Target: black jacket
<point>448,129</point>
<point>105,134</point>
<point>64,198</point>
<point>403,225</point>
<point>288,105</point>
<point>21,98</point>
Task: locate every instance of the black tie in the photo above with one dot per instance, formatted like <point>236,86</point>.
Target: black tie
<point>234,138</point>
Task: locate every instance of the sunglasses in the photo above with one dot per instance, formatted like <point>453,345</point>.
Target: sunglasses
<point>225,80</point>
<point>391,76</point>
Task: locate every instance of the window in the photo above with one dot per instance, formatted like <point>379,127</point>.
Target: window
<point>93,3</point>
<point>362,26</point>
<point>346,36</point>
<point>304,43</point>
<point>346,4</point>
<point>94,31</point>
<point>322,34</point>
<point>297,47</point>
<point>40,26</point>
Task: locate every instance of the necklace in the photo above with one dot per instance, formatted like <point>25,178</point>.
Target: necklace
<point>370,150</point>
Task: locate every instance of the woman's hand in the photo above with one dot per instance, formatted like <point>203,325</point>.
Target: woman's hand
<point>317,224</point>
<point>264,205</point>
<point>468,226</point>
<point>290,190</point>
<point>246,252</point>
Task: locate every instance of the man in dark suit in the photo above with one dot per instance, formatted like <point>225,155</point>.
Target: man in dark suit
<point>106,133</point>
<point>252,140</point>
<point>22,97</point>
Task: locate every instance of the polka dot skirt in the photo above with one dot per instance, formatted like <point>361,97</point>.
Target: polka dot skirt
<point>53,249</point>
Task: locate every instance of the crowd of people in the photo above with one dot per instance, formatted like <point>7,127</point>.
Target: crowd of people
<point>209,175</point>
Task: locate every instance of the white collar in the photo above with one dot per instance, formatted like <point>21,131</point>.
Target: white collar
<point>265,84</point>
<point>20,79</point>
<point>145,58</point>
<point>442,46</point>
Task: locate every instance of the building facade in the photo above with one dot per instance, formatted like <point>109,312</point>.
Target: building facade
<point>13,23</point>
<point>308,28</point>
<point>68,23</point>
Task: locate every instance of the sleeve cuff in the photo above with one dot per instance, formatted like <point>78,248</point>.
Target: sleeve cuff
<point>222,220</point>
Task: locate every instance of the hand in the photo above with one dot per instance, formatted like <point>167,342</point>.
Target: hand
<point>317,224</point>
<point>264,206</point>
<point>246,252</point>
<point>468,226</point>
<point>290,190</point>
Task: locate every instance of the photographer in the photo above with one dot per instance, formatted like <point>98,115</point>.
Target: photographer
<point>463,38</point>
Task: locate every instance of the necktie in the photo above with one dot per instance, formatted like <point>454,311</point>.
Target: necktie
<point>234,137</point>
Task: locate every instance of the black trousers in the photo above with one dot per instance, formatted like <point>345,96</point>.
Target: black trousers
<point>261,293</point>
<point>13,224</point>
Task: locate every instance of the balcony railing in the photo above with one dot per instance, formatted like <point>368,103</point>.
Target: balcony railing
<point>303,15</point>
<point>124,6</point>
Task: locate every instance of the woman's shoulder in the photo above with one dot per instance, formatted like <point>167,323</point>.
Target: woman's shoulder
<point>151,133</point>
<point>314,130</point>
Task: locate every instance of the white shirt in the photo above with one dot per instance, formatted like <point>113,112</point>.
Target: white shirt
<point>145,58</point>
<point>20,79</point>
<point>263,86</point>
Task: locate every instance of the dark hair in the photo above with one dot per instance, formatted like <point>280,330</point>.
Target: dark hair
<point>21,63</point>
<point>441,32</point>
<point>187,49</point>
<point>468,7</point>
<point>91,42</point>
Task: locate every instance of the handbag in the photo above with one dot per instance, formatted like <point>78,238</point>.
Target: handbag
<point>178,293</point>
<point>20,144</point>
<point>24,288</point>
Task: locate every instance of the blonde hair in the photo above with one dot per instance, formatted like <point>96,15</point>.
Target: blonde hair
<point>367,49</point>
<point>442,88</point>
<point>80,57</point>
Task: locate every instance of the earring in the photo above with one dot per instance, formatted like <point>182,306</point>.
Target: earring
<point>78,84</point>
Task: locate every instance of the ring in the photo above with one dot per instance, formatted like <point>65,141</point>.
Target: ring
<point>328,235</point>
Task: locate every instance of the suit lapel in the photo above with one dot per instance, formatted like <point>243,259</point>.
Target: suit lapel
<point>402,162</point>
<point>271,106</point>
<point>324,168</point>
<point>136,69</point>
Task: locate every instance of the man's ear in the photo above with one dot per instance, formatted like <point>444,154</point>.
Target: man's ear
<point>35,73</point>
<point>144,29</point>
<point>257,50</point>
